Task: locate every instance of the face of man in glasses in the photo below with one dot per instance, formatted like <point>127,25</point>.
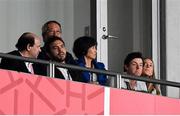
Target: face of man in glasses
<point>52,30</point>
<point>135,67</point>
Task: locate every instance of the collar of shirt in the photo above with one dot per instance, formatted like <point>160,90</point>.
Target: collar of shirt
<point>65,73</point>
<point>29,67</point>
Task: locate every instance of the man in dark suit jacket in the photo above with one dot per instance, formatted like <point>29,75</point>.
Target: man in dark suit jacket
<point>28,45</point>
<point>56,51</point>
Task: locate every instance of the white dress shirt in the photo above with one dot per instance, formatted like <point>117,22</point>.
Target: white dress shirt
<point>65,73</point>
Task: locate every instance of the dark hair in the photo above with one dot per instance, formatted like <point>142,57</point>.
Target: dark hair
<point>25,39</point>
<point>82,44</point>
<point>132,56</point>
<point>50,40</point>
<point>45,27</point>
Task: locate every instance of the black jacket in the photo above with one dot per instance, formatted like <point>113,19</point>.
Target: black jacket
<point>42,69</point>
<point>12,64</point>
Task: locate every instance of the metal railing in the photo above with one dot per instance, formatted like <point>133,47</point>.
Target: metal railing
<point>106,72</point>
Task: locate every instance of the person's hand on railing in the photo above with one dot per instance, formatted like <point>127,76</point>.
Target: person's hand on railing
<point>152,87</point>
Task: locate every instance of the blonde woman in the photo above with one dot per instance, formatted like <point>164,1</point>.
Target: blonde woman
<point>148,70</point>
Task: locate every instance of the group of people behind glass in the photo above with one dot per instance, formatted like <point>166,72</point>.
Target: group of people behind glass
<point>85,49</point>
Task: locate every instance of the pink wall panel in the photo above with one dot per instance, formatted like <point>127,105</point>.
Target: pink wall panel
<point>125,102</point>
<point>130,102</point>
<point>167,106</point>
<point>22,93</point>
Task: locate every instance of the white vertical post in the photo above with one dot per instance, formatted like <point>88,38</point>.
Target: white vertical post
<point>156,36</point>
<point>51,70</point>
<point>118,81</point>
<point>107,101</point>
<point>102,48</point>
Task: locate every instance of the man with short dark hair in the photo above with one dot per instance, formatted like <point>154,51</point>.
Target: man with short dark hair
<point>133,65</point>
<point>28,45</point>
<point>56,51</point>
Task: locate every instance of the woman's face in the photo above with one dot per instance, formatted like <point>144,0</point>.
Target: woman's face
<point>148,67</point>
<point>92,52</point>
